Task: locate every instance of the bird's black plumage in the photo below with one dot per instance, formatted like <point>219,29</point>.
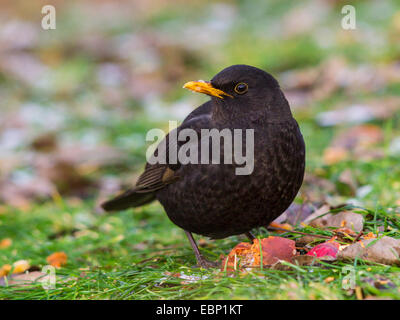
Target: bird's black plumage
<point>211,199</point>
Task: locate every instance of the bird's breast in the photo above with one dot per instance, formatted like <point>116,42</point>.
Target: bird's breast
<point>214,200</point>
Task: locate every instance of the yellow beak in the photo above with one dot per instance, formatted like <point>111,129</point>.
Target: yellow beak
<point>206,88</point>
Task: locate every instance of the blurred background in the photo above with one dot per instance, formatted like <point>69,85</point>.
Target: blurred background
<point>76,102</point>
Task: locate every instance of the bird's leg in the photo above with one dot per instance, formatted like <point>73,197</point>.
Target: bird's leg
<point>250,236</point>
<point>201,261</point>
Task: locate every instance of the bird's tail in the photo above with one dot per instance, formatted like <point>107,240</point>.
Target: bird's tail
<point>128,199</point>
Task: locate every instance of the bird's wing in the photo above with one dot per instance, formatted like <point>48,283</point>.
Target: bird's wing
<point>157,176</point>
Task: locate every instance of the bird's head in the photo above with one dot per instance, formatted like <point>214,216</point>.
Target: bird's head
<point>243,89</point>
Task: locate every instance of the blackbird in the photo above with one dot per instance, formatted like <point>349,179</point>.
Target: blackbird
<point>212,199</point>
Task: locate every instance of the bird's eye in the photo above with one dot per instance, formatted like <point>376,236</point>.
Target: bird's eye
<point>241,88</point>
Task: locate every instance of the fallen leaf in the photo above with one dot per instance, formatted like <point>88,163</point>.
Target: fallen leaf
<point>274,249</point>
<point>5,269</point>
<point>369,235</point>
<point>346,235</point>
<point>25,279</point>
<point>325,251</point>
<point>45,143</point>
<point>285,226</point>
<point>324,209</point>
<point>382,108</point>
<point>347,178</point>
<point>64,174</point>
<point>20,266</point>
<point>344,231</point>
<point>379,282</point>
<point>295,214</point>
<point>385,250</point>
<point>336,73</point>
<point>305,260</point>
<point>57,259</point>
<point>33,277</point>
<point>5,243</point>
<point>316,189</point>
<point>361,136</point>
<point>304,240</point>
<point>20,192</point>
<point>354,143</point>
<point>348,219</point>
<point>333,155</point>
<point>329,279</point>
<point>269,251</point>
<point>243,251</point>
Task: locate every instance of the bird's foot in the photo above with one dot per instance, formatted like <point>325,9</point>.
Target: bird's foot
<point>250,236</point>
<point>206,264</point>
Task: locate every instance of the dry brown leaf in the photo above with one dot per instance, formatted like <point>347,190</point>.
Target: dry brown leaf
<point>336,73</point>
<point>28,278</point>
<point>380,108</point>
<point>305,260</point>
<point>20,195</point>
<point>385,250</point>
<point>347,178</point>
<point>355,142</point>
<point>343,232</point>
<point>24,279</point>
<point>45,143</point>
<point>295,214</point>
<point>316,189</point>
<point>347,235</point>
<point>379,282</point>
<point>57,259</point>
<point>304,240</point>
<point>348,219</point>
<point>361,136</point>
<point>320,211</point>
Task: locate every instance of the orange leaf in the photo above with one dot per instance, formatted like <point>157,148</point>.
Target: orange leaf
<point>285,226</point>
<point>4,270</point>
<point>20,266</point>
<point>273,249</point>
<point>369,235</point>
<point>57,259</point>
<point>333,155</point>
<point>5,243</point>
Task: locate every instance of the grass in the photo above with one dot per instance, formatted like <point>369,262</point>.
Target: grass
<point>135,256</point>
